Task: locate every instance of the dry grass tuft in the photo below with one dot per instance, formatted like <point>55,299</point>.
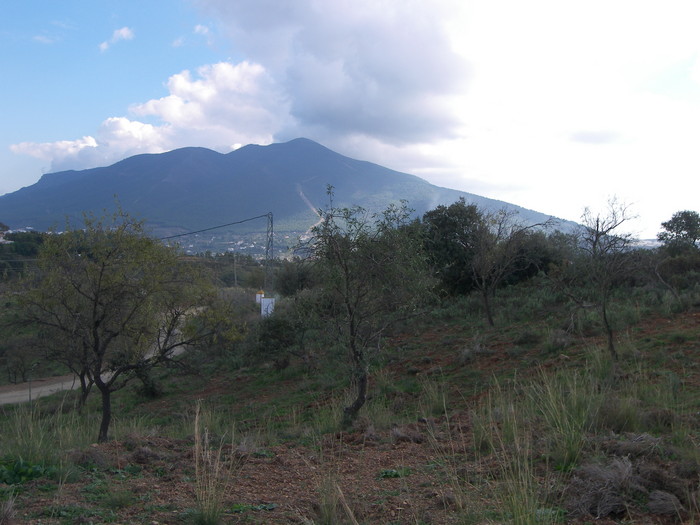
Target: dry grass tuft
<point>214,472</point>
<point>7,510</point>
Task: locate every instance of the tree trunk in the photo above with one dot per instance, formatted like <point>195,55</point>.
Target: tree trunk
<point>85,386</point>
<point>487,307</point>
<point>350,412</point>
<point>106,413</point>
<point>608,331</point>
<point>150,387</point>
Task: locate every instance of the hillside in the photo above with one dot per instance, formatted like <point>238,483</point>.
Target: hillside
<point>441,440</point>
<point>194,188</point>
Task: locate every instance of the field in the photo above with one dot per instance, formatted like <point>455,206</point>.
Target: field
<point>526,422</point>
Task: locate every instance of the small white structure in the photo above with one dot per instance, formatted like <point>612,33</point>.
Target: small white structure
<point>259,296</point>
<point>267,306</point>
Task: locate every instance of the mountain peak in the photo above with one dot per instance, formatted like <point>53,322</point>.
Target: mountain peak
<point>194,188</point>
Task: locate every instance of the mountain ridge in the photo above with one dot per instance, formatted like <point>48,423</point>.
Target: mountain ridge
<point>193,187</point>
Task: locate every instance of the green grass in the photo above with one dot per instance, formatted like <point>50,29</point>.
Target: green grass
<point>540,398</point>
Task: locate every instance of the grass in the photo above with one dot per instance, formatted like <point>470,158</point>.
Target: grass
<point>215,470</point>
<point>568,404</point>
<point>531,407</point>
<point>38,437</point>
<point>7,509</point>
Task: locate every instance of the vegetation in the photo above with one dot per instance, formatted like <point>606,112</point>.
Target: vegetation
<point>371,274</point>
<point>581,404</point>
<point>20,249</point>
<point>110,303</point>
<point>681,233</point>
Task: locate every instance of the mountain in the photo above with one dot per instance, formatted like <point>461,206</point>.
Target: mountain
<point>196,188</point>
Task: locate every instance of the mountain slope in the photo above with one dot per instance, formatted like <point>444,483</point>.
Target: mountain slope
<point>194,188</point>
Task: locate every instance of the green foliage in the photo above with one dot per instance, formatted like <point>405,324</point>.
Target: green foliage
<point>17,471</point>
<point>472,250</point>
<point>18,255</point>
<point>294,276</point>
<point>109,300</point>
<point>451,242</point>
<point>391,473</point>
<point>276,335</point>
<point>372,274</point>
<point>246,507</point>
<point>681,232</point>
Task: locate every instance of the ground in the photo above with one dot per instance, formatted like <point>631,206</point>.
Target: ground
<point>399,474</point>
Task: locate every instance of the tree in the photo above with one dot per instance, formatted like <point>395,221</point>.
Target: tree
<point>371,274</point>
<point>606,260</point>
<point>475,250</point>
<point>450,234</point>
<point>681,232</point>
<point>110,303</point>
<point>498,254</point>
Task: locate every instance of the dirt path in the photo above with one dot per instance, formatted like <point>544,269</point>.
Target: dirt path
<point>23,392</point>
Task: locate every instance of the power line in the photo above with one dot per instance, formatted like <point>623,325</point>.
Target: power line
<point>216,227</point>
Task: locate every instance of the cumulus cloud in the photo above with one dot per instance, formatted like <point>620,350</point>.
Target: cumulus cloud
<point>497,98</point>
<point>217,106</point>
<point>123,33</point>
<point>116,138</point>
<point>232,100</point>
<point>54,151</point>
<point>382,69</point>
<point>355,73</point>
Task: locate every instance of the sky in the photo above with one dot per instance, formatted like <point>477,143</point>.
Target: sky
<point>554,105</point>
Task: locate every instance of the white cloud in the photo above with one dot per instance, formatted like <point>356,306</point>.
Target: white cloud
<point>222,104</point>
<point>43,39</point>
<point>123,33</point>
<point>552,105</point>
<point>55,152</point>
<point>354,67</point>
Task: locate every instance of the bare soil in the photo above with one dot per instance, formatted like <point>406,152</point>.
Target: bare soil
<point>397,475</point>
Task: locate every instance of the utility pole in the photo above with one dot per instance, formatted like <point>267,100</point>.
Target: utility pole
<point>269,252</point>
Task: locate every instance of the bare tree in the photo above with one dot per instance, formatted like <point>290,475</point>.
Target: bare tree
<point>498,254</point>
<point>606,257</point>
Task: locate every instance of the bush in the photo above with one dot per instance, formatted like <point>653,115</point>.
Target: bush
<point>17,471</point>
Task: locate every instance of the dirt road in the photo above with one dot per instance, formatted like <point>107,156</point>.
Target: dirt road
<point>24,392</point>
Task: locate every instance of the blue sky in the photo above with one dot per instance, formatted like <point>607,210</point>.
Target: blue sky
<point>555,106</point>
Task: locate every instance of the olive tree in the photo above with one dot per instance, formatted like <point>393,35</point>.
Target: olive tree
<point>110,303</point>
<point>371,273</point>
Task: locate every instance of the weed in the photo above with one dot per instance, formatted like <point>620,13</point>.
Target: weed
<point>333,508</point>
<point>14,472</point>
<point>213,473</point>
<point>245,507</point>
<point>39,438</point>
<point>400,472</point>
<point>568,403</point>
<point>7,509</point>
<point>118,499</point>
<point>433,398</point>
